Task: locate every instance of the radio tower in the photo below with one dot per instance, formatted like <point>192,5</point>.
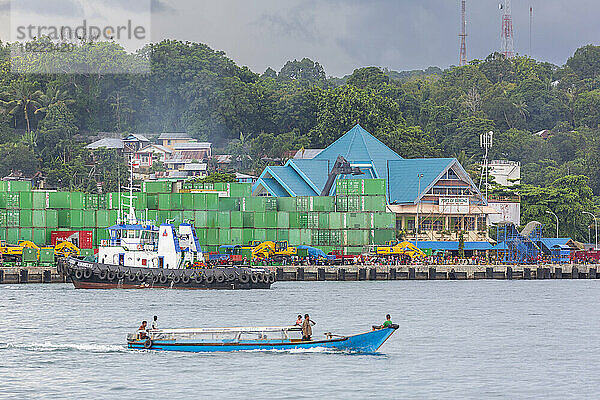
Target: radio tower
<point>507,46</point>
<point>462,58</point>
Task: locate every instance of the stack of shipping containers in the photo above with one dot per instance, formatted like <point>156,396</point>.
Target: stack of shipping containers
<point>223,213</point>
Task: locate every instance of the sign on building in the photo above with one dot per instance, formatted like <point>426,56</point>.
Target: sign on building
<point>454,205</point>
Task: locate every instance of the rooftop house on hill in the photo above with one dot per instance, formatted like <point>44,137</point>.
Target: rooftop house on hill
<point>440,189</point>
<point>169,139</point>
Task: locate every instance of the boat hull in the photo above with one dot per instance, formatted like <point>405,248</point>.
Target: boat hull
<point>92,275</point>
<point>368,342</point>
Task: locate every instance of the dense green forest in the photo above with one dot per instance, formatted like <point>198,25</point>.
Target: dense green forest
<point>46,119</point>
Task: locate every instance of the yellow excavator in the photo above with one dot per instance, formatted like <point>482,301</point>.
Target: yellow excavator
<point>396,248</point>
<point>270,249</point>
<point>14,252</point>
<point>65,249</point>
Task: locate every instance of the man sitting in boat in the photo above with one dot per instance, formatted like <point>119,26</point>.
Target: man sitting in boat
<point>388,322</point>
<point>299,321</point>
<point>307,327</point>
<point>142,330</point>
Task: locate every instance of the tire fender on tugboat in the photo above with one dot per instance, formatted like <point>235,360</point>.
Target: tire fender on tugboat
<point>148,344</point>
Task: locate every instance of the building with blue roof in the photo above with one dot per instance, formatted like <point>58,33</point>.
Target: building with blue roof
<point>442,191</point>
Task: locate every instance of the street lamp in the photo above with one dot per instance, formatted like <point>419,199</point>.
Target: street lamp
<point>418,205</point>
<point>555,216</point>
<point>595,227</point>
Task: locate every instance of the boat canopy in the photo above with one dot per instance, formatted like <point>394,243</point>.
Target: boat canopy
<point>133,227</point>
<point>234,329</point>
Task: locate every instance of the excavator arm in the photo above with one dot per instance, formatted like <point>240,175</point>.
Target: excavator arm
<point>65,249</point>
<point>341,166</point>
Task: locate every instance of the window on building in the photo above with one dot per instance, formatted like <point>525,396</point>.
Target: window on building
<point>481,223</point>
<point>410,224</point>
<point>454,223</point>
<point>439,191</point>
<point>470,223</point>
<point>453,191</point>
<point>426,225</point>
<point>437,225</point>
<point>452,174</point>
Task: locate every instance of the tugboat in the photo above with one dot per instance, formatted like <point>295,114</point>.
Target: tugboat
<point>142,255</point>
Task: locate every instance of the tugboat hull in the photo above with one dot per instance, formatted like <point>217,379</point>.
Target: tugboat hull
<point>93,275</point>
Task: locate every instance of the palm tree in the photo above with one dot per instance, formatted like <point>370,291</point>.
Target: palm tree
<point>522,110</point>
<point>52,96</point>
<point>24,98</point>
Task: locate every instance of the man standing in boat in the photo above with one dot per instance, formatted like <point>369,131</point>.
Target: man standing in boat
<point>307,327</point>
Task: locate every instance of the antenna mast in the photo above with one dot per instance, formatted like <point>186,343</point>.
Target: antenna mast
<point>506,43</point>
<point>462,59</point>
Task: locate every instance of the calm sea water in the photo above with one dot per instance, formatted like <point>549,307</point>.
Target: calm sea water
<point>457,340</point>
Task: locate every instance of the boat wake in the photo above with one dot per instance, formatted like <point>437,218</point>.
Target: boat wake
<point>53,347</point>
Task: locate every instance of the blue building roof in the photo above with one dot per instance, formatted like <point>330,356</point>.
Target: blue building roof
<point>557,243</point>
<point>307,177</point>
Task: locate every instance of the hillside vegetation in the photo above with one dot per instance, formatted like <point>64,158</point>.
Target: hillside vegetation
<point>46,119</point>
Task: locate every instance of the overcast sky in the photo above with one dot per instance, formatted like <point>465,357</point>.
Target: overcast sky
<point>346,34</point>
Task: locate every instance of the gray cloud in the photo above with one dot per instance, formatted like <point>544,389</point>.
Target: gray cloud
<point>63,8</point>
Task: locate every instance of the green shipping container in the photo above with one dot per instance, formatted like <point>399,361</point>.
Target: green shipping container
<point>283,219</point>
<point>224,219</point>
<point>354,203</point>
<point>152,201</point>
<point>26,234</point>
<point>256,204</point>
<point>260,234</point>
<point>306,236</point>
<point>212,236</point>
<point>381,236</point>
<point>323,203</point>
<point>187,201</point>
<point>47,256</point>
<point>12,235</point>
<point>157,187</point>
<point>384,220</point>
<point>212,201</point>
<point>341,203</point>
<point>3,222</point>
<point>26,200</point>
<point>283,234</point>
<point>271,234</point>
<point>89,218</point>
<point>240,189</point>
<point>229,204</point>
<point>164,201</point>
<point>295,237</point>
<point>260,220</point>
<point>176,201</point>
<point>201,218</point>
<point>19,186</point>
<point>26,218</point>
<point>39,237</point>
<point>51,218</point>
<point>199,201</point>
<point>248,221</point>
<point>39,218</point>
<point>74,219</point>
<point>59,199</point>
<point>373,203</point>
<point>286,203</point>
<point>357,220</point>
<point>40,200</point>
<point>236,235</point>
<point>237,219</point>
<point>247,235</point>
<point>212,220</point>
<point>201,235</point>
<point>78,201</point>
<point>224,236</point>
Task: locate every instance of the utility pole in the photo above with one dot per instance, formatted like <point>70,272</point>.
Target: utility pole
<point>418,206</point>
<point>595,227</point>
<point>507,46</point>
<point>530,25</point>
<point>462,58</point>
<point>555,216</point>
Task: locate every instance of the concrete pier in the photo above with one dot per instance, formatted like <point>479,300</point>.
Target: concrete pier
<point>24,274</point>
<point>437,272</point>
<point>30,275</point>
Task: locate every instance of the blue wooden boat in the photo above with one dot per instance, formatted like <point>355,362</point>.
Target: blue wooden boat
<point>255,338</point>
